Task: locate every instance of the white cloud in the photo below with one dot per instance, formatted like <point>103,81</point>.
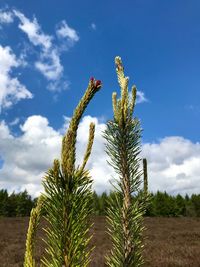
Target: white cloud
<point>58,86</point>
<point>33,31</point>
<point>49,62</point>
<point>141,98</point>
<point>174,165</point>
<point>4,130</point>
<point>93,26</point>
<point>6,17</point>
<point>11,90</point>
<point>173,162</point>
<point>50,65</point>
<point>14,122</point>
<point>64,31</point>
<point>28,156</point>
<point>97,164</point>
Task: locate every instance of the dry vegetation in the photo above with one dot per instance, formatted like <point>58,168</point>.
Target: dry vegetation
<point>171,242</point>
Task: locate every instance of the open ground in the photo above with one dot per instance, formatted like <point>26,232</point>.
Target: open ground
<point>169,242</point>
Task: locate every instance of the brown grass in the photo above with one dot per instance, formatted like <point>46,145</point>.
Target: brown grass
<point>171,242</point>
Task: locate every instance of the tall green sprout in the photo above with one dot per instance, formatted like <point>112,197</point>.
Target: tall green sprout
<point>127,206</point>
<point>145,173</point>
<point>35,216</point>
<point>66,200</point>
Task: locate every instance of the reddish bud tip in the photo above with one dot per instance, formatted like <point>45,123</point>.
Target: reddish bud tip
<point>92,79</point>
<point>98,83</point>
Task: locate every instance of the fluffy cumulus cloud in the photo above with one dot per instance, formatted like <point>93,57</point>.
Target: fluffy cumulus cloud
<point>11,90</point>
<point>49,51</point>
<point>141,98</point>
<point>6,17</point>
<point>66,32</point>
<point>173,162</point>
<point>33,31</point>
<point>50,65</point>
<point>27,157</point>
<point>99,169</point>
<point>174,165</point>
<point>49,60</point>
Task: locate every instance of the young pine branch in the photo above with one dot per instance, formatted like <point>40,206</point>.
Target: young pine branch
<point>66,201</point>
<point>126,208</point>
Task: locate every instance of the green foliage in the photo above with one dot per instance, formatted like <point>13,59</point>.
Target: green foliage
<point>95,204</point>
<point>15,204</point>
<point>66,202</point>
<point>67,205</point>
<point>3,202</point>
<point>182,206</point>
<point>99,203</point>
<point>125,212</point>
<point>24,204</point>
<point>160,204</point>
<point>195,200</point>
<point>35,216</point>
<point>145,174</point>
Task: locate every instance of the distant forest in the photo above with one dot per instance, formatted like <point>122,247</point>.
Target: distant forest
<point>161,204</point>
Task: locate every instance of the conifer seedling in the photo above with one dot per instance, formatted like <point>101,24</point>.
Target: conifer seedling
<point>127,205</point>
<point>66,201</point>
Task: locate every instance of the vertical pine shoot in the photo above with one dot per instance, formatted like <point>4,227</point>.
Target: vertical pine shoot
<point>146,195</point>
<point>35,216</point>
<point>126,207</point>
<point>66,200</point>
<point>145,177</point>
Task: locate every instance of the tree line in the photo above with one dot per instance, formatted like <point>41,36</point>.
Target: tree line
<point>15,204</point>
<point>161,204</point>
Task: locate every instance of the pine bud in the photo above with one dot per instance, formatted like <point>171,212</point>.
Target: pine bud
<point>98,84</point>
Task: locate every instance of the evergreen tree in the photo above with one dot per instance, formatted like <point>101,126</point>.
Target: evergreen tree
<point>195,200</point>
<point>180,205</point>
<point>11,206</point>
<point>3,202</point>
<point>95,203</point>
<point>189,207</point>
<point>161,204</point>
<point>125,213</point>
<point>24,204</point>
<point>103,203</point>
<point>67,200</point>
<point>150,209</point>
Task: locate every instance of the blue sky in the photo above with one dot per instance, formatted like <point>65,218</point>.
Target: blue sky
<point>53,49</point>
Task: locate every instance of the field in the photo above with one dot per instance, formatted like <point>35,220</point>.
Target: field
<point>170,242</point>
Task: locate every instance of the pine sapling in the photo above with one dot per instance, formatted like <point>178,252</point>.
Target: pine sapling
<point>146,195</point>
<point>127,205</point>
<point>145,176</point>
<point>67,200</point>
